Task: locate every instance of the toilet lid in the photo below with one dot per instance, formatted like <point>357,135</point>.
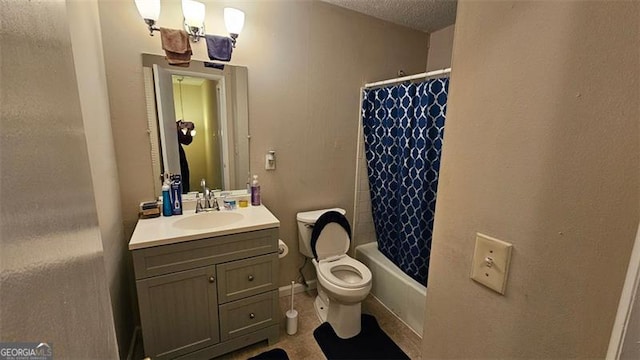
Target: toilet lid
<point>331,235</point>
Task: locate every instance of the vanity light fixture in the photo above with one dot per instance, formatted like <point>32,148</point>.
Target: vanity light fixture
<point>234,22</point>
<point>150,12</point>
<point>194,13</point>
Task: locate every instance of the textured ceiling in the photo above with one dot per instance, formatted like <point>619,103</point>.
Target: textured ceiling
<point>425,15</point>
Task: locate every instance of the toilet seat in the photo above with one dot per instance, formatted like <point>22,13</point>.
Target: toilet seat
<point>330,243</point>
<point>327,268</point>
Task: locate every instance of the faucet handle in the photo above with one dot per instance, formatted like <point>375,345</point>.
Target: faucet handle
<point>198,204</point>
<point>213,201</point>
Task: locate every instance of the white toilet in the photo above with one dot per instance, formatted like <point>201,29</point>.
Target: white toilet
<point>343,282</point>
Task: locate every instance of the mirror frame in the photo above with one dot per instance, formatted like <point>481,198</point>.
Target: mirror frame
<point>235,140</point>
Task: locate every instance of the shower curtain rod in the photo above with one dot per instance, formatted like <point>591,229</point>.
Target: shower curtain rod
<point>410,77</point>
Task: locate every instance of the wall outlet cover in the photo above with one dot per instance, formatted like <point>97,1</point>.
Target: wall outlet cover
<point>269,162</point>
<point>491,260</point>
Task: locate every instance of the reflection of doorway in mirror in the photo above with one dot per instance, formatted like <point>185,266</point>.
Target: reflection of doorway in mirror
<point>200,106</point>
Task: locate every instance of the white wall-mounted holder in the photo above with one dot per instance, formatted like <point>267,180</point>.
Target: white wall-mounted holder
<point>270,160</point>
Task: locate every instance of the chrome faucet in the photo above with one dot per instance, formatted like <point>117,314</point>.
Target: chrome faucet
<point>205,193</point>
<point>208,198</point>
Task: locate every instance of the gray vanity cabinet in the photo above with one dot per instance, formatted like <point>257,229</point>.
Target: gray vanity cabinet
<point>205,297</point>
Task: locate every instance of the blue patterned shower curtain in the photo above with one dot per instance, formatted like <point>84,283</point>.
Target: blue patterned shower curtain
<point>403,130</point>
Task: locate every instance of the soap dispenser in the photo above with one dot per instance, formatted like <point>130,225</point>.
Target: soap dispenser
<point>255,191</point>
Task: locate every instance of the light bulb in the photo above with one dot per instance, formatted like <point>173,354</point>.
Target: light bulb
<point>233,20</point>
<point>193,12</point>
<point>148,9</point>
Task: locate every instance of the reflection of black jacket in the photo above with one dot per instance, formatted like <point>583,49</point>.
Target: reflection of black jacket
<point>184,139</point>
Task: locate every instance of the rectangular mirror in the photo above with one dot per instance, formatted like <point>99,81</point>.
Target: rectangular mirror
<point>199,123</point>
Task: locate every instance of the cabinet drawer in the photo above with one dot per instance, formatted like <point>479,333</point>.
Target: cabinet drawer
<point>241,317</point>
<point>242,278</point>
<point>166,259</point>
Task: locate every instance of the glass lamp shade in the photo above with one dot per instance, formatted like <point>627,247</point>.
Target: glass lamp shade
<point>233,20</point>
<point>148,9</point>
<point>193,12</point>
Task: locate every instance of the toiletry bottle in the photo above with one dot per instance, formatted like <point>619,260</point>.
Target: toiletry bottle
<point>249,183</point>
<point>176,194</point>
<point>167,209</point>
<point>255,191</point>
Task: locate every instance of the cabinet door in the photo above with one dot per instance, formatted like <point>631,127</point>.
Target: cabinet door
<point>179,312</point>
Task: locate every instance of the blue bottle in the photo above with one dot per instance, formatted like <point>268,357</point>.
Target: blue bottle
<point>176,194</point>
<point>167,209</point>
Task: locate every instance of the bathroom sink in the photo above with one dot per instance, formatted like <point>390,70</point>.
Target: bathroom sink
<point>208,220</point>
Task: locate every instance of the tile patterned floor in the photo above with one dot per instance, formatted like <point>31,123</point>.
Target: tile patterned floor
<point>302,345</point>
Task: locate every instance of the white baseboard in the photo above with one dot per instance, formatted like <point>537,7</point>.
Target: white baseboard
<point>297,288</point>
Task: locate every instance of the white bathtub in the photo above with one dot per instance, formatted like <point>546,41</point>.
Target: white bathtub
<point>401,294</point>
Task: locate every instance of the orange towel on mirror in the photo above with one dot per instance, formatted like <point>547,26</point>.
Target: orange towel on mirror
<point>175,44</point>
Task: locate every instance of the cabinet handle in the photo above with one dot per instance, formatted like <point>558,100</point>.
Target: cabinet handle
<point>250,278</point>
<point>212,279</point>
<point>252,315</point>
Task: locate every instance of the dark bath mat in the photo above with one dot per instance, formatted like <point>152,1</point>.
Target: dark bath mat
<point>371,343</point>
<point>273,354</point>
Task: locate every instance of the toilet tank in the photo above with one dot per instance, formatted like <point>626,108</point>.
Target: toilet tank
<point>306,220</point>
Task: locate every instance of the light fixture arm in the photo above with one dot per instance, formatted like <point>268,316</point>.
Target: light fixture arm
<point>195,32</point>
<point>234,38</point>
<point>151,24</point>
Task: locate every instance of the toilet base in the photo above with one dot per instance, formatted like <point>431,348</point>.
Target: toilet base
<point>322,309</point>
<point>344,319</point>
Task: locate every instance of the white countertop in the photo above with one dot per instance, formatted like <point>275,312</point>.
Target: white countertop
<point>161,231</point>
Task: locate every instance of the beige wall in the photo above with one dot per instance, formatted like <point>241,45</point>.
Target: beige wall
<point>306,62</point>
<point>440,48</point>
<point>541,150</point>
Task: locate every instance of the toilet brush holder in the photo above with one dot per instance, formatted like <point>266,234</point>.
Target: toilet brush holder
<point>292,322</point>
<point>292,315</point>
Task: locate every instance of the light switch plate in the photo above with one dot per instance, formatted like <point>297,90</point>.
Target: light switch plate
<point>491,259</point>
<point>269,162</point>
